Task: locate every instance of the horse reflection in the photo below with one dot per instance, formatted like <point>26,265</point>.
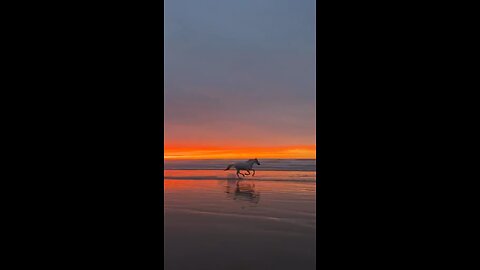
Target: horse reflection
<point>243,192</point>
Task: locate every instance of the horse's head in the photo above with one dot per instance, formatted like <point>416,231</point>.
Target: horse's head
<point>256,161</point>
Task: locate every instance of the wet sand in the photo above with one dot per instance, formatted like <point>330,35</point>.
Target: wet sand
<point>213,224</point>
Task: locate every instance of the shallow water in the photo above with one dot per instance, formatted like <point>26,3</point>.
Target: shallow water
<point>260,175</point>
<point>259,224</point>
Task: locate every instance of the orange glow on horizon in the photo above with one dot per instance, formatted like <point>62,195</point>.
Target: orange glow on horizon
<point>244,152</point>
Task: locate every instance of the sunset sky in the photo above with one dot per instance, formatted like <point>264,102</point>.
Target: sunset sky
<point>239,79</point>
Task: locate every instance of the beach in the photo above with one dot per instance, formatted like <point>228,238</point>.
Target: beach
<point>239,92</point>
<point>267,221</point>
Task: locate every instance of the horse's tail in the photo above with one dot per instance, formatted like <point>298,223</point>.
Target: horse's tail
<point>229,166</point>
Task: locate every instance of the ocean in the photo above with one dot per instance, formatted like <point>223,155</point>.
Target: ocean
<point>266,221</point>
<point>268,170</point>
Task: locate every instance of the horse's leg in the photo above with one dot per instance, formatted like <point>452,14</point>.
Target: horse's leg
<point>238,172</point>
<point>253,172</point>
<point>248,172</point>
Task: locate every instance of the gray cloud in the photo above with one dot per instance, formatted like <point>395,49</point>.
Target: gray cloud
<point>239,66</point>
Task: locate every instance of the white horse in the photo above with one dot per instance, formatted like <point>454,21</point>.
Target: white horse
<point>246,166</point>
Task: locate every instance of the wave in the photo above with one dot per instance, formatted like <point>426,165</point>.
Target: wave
<point>247,179</point>
<point>220,164</point>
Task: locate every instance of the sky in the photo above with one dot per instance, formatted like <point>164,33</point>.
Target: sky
<point>239,78</point>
